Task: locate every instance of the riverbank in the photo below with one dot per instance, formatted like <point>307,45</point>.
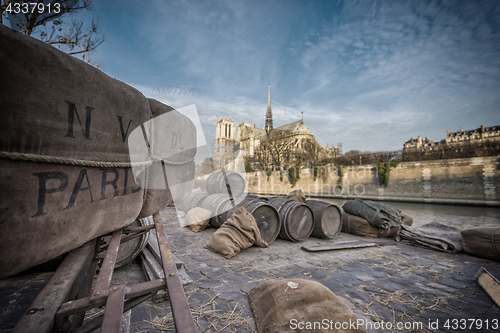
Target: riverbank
<point>470,181</point>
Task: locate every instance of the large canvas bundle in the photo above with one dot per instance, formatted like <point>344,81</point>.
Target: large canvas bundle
<point>356,225</point>
<point>377,214</point>
<point>482,242</point>
<point>172,146</point>
<point>65,167</point>
<point>299,305</point>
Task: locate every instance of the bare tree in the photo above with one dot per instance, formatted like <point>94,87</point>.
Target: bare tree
<point>271,154</point>
<point>310,153</point>
<point>48,21</point>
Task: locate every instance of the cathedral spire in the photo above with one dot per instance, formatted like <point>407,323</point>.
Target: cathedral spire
<point>269,114</point>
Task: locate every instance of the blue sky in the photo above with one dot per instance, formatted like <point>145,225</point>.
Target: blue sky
<point>369,74</point>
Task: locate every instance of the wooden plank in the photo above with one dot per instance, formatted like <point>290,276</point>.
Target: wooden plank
<point>181,311</point>
<point>96,322</point>
<point>346,245</point>
<point>490,284</point>
<point>148,271</point>
<point>158,270</point>
<point>126,321</point>
<point>185,279</point>
<point>85,291</point>
<point>86,303</point>
<point>108,265</point>
<point>162,294</point>
<point>138,229</point>
<point>155,265</point>
<point>41,314</point>
<point>155,250</point>
<point>112,319</point>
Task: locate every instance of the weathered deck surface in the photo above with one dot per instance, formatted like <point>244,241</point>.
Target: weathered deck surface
<point>399,283</point>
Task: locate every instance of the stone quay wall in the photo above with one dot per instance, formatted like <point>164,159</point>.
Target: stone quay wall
<point>469,181</point>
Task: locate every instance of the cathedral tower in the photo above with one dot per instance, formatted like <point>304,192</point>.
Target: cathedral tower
<point>269,114</point>
<point>224,142</point>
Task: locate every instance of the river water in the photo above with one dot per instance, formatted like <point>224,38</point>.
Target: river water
<point>461,217</point>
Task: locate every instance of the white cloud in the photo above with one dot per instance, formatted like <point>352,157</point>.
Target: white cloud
<point>369,75</point>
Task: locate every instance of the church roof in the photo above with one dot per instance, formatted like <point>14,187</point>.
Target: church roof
<point>292,128</point>
<point>259,131</point>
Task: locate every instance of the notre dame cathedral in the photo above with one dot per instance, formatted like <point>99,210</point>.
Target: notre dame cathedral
<point>249,138</point>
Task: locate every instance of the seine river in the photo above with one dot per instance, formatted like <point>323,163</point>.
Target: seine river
<point>461,217</point>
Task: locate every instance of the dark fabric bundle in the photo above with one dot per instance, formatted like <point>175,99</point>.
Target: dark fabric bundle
<point>297,195</point>
<point>239,232</point>
<point>356,225</point>
<point>482,242</point>
<point>434,235</point>
<point>278,306</point>
<point>379,215</point>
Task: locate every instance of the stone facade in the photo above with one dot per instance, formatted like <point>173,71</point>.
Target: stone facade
<point>225,139</point>
<point>472,181</point>
<point>480,134</point>
<point>249,137</point>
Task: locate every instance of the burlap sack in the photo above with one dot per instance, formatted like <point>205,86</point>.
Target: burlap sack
<point>297,195</point>
<point>65,166</point>
<point>173,140</point>
<point>356,225</point>
<point>482,242</point>
<point>310,307</point>
<point>239,232</point>
<point>198,218</point>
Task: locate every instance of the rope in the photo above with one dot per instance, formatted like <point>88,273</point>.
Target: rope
<point>85,163</point>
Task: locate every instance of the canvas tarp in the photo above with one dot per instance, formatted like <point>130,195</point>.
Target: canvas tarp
<point>379,215</point>
<point>434,235</point>
<point>277,307</point>
<point>239,232</point>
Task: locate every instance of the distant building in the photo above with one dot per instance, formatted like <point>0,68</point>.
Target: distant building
<point>225,133</point>
<point>481,134</point>
<point>250,137</point>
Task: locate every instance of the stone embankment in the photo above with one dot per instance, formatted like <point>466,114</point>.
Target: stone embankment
<point>470,181</point>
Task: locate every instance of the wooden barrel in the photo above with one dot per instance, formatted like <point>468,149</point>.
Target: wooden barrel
<point>327,219</point>
<point>130,249</point>
<point>267,218</point>
<point>192,200</point>
<point>220,205</point>
<point>231,209</point>
<point>210,203</point>
<point>217,182</point>
<point>297,219</point>
<point>277,202</point>
<point>255,196</point>
<point>265,215</point>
